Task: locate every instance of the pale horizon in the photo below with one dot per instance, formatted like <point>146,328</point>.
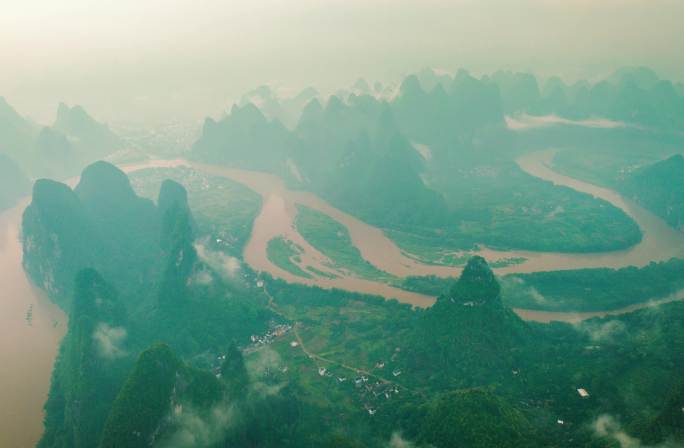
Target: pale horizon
<point>174,61</point>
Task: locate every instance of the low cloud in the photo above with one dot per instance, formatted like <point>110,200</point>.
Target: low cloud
<point>516,287</point>
<point>603,331</point>
<point>109,341</point>
<point>195,428</point>
<point>260,366</point>
<point>228,267</point>
<point>201,429</point>
<point>265,360</point>
<point>608,427</point>
<point>537,296</point>
<point>397,441</point>
<point>202,278</point>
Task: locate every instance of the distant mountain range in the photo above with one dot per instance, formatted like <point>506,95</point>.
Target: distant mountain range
<point>56,151</point>
<point>357,149</point>
<point>417,160</point>
<point>631,95</point>
<point>13,182</point>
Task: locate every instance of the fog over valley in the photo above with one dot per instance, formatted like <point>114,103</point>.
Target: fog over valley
<point>342,224</point>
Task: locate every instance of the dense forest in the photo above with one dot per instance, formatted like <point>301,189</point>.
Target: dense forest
<point>342,224</point>
<point>188,355</point>
<point>174,340</point>
<point>660,188</point>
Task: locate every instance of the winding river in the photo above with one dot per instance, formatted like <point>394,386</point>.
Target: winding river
<point>31,326</point>
<point>30,330</point>
<point>660,241</point>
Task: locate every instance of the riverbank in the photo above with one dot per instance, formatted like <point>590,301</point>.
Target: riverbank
<point>277,220</point>
<point>28,341</point>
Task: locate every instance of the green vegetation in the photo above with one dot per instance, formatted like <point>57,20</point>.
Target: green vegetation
<point>319,273</point>
<point>161,282</point>
<point>500,206</point>
<point>660,188</point>
<point>346,327</point>
<point>100,224</point>
<point>389,368</point>
<point>594,289</point>
<point>477,418</point>
<point>143,401</point>
<point>461,189</point>
<point>472,333</point>
<point>89,369</point>
<point>285,254</point>
<point>172,341</point>
<point>332,239</point>
<point>223,209</point>
<point>428,249</point>
<point>427,284</point>
<point>610,160</point>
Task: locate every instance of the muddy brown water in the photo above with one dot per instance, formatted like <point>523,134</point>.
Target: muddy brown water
<point>31,327</point>
<point>660,241</point>
<point>30,330</point>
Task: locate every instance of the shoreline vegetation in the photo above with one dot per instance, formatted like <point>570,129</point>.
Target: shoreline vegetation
<point>175,338</point>
<point>332,239</point>
<point>600,289</point>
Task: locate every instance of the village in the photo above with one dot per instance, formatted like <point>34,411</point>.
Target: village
<point>371,389</point>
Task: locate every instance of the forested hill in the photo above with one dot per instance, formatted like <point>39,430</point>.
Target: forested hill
<point>660,188</point>
<point>469,331</point>
<point>129,274</point>
<point>100,224</point>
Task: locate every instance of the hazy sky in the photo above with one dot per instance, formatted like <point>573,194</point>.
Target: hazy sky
<point>152,60</point>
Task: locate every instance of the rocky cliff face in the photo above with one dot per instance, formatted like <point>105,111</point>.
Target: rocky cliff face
<point>102,224</point>
<point>58,238</point>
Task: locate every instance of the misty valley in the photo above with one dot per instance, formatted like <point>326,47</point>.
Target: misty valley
<point>452,260</point>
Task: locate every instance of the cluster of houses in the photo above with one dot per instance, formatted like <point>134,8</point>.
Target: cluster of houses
<point>274,332</point>
<point>371,393</point>
<point>374,393</point>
